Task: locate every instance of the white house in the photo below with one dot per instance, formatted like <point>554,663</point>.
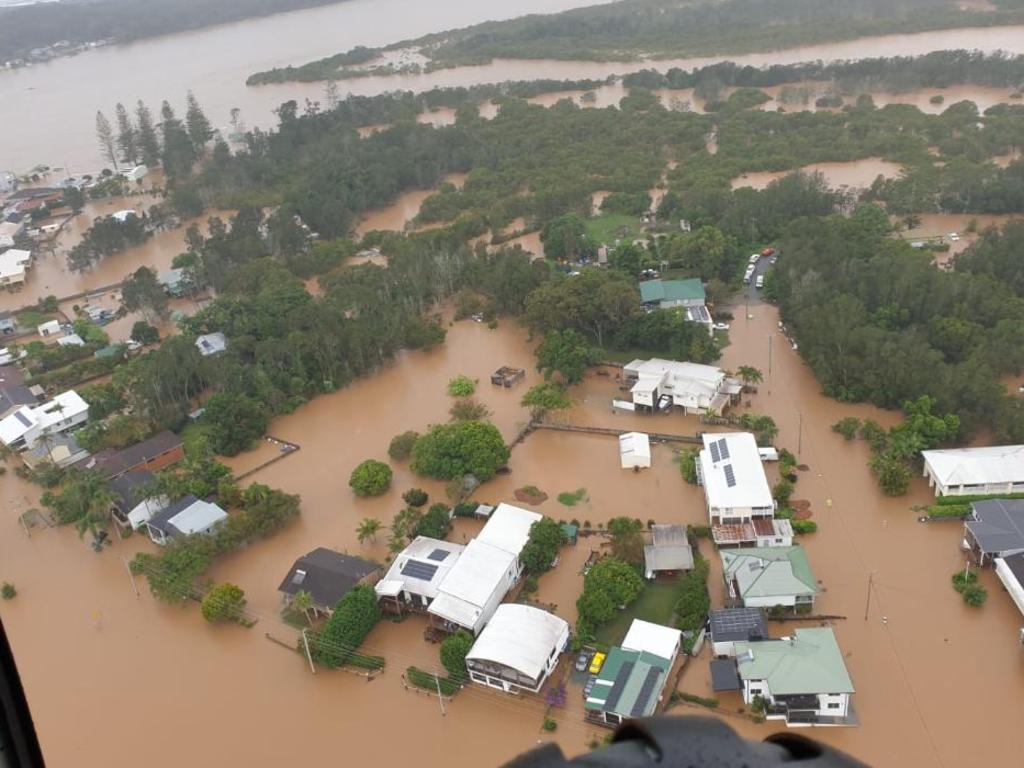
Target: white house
<point>802,679</point>
<point>71,340</point>
<point>212,343</point>
<point>634,450</point>
<point>1010,571</point>
<point>741,509</point>
<point>9,232</point>
<point>765,577</point>
<point>13,264</point>
<point>647,637</point>
<point>29,424</point>
<point>184,517</point>
<point>508,528</point>
<point>417,571</point>
<point>965,471</point>
<point>518,649</point>
<point>131,508</point>
<point>135,173</point>
<point>123,216</point>
<point>693,387</point>
<point>49,328</point>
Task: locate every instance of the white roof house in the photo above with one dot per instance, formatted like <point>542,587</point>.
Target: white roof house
<point>13,264</point>
<point>694,387</point>
<point>646,637</point>
<point>24,427</point>
<point>212,343</point>
<point>732,474</point>
<point>71,340</point>
<point>634,450</point>
<point>49,328</point>
<point>418,570</point>
<point>123,216</point>
<point>964,471</point>
<point>508,528</point>
<point>475,586</point>
<point>518,648</point>
<point>185,517</point>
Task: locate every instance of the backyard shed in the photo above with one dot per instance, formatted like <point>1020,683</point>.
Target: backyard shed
<point>634,450</point>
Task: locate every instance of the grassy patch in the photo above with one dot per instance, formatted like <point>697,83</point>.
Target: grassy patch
<point>655,604</point>
<point>611,227</point>
<point>571,499</point>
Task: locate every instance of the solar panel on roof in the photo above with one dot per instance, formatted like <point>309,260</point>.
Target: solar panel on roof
<point>21,417</point>
<point>620,683</point>
<point>438,555</point>
<point>715,455</point>
<point>653,675</point>
<point>418,570</point>
<point>723,448</point>
<point>730,476</point>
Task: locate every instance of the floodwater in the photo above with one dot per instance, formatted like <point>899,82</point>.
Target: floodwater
<point>62,95</point>
<point>857,174</point>
<point>968,227</point>
<point>399,215</point>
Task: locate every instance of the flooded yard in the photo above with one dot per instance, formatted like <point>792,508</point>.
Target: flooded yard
<point>857,174</point>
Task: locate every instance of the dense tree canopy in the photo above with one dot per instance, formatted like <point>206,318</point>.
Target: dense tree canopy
<point>461,448</point>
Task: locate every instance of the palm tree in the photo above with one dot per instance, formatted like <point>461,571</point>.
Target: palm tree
<point>368,529</point>
<point>97,511</point>
<point>303,601</point>
<point>749,374</point>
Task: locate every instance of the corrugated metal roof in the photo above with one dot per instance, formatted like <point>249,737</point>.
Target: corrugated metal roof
<point>809,662</point>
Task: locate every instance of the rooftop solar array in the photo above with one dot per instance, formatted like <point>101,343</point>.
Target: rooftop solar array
<point>21,417</point>
<point>618,686</point>
<point>715,455</point>
<point>653,675</point>
<point>438,555</point>
<point>736,621</point>
<point>723,448</point>
<point>418,570</point>
<point>730,476</point>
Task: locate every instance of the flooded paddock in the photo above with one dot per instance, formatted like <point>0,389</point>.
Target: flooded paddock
<point>856,174</point>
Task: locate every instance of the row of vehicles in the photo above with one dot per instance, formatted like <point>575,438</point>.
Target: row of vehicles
<point>767,253</point>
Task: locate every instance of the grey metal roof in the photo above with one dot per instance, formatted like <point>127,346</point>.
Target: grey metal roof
<point>161,520</point>
<point>327,575</point>
<point>113,463</point>
<point>1016,565</point>
<point>732,624</point>
<point>724,675</point>
<point>129,486</point>
<point>669,550</point>
<point>998,525</point>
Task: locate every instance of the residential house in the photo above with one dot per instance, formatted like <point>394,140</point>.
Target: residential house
<point>327,576</point>
<point>13,265</point>
<point>8,324</point>
<point>185,517</point>
<point>29,424</point>
<point>731,625</point>
<point>669,552</point>
<point>765,577</point>
<point>49,328</point>
<point>634,450</point>
<point>71,340</point>
<point>13,392</point>
<point>741,509</point>
<point>1010,571</point>
<point>968,471</point>
<point>10,231</point>
<point>59,449</point>
<point>994,529</point>
<point>415,574</point>
<point>210,344</point>
<point>8,182</point>
<point>802,679</point>
<point>135,173</point>
<point>687,295</point>
<point>658,384</point>
<point>157,452</point>
<point>132,507</point>
<point>123,216</point>
<point>632,679</point>
<point>518,649</point>
<point>173,281</point>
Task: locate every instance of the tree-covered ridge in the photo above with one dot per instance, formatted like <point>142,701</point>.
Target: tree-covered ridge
<point>628,30</point>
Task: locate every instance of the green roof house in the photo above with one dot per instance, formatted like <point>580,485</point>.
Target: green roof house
<point>763,577</point>
<point>686,295</point>
<point>802,679</point>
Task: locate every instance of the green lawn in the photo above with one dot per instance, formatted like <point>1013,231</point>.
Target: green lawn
<point>611,227</point>
<point>655,604</point>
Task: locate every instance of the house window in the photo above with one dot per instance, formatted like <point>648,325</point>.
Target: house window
<point>611,717</point>
<point>833,705</point>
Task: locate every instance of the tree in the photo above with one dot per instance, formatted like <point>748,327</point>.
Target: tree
<point>199,130</point>
<point>565,354</point>
<point>368,529</point>
<point>975,595</point>
<point>546,397</point>
<point>541,548</point>
<point>893,474</point>
<point>144,333</point>
<point>594,302</point>
<point>74,198</point>
<point>688,459</point>
<point>565,237</point>
<point>749,374</point>
<point>235,421</point>
<point>627,539</point>
<point>143,292</point>
<point>148,144</point>
<point>461,386</point>
<point>302,601</point>
<point>370,478</point>
<point>224,602</point>
<point>105,137</point>
<point>461,448</point>
<point>179,153</point>
<point>468,409</point>
<point>127,137</point>
<point>453,654</point>
<point>353,618</point>
<point>415,497</point>
<point>435,524</point>
<point>84,500</point>
<point>848,427</point>
<point>401,445</point>
<point>617,578</point>
<point>694,602</point>
<point>763,427</point>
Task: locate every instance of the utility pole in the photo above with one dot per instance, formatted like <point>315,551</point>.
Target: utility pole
<point>440,699</point>
<point>867,604</point>
<point>309,656</point>
<point>131,575</point>
<point>770,353</point>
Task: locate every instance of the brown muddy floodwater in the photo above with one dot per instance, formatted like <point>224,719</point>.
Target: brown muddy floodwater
<point>856,174</point>
<point>136,662</point>
<point>967,227</point>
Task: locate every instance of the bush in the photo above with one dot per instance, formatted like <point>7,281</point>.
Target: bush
<point>949,511</point>
<point>225,602</point>
<point>550,725</point>
<point>401,445</point>
<point>695,699</point>
<point>371,478</point>
<point>449,451</point>
<point>694,602</point>
<point>782,492</point>
<point>461,386</point>
<point>435,524</point>
<point>541,549</point>
<point>572,498</point>
<point>432,683</point>
<point>468,409</point>
<point>688,464</point>
<point>847,427</point>
<point>804,526</point>
<point>415,497</point>
<point>964,579</point>
<point>970,499</point>
<point>354,616</point>
<point>7,591</point>
<point>465,509</point>
<point>975,595</point>
<point>235,421</point>
<point>453,654</point>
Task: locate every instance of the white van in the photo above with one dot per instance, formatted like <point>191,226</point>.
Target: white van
<point>760,281</point>
<point>753,258</point>
<point>747,275</point>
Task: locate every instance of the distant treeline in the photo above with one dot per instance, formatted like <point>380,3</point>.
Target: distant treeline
<point>939,69</point>
<point>625,31</point>
<point>37,26</point>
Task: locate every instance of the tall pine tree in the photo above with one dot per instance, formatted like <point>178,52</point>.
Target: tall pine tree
<point>105,136</point>
<point>199,130</point>
<point>179,153</point>
<point>127,138</point>
<point>149,146</point>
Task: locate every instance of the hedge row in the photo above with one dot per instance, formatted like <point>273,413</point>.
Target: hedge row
<point>949,511</point>
<point>429,682</point>
<point>695,699</point>
<point>943,501</point>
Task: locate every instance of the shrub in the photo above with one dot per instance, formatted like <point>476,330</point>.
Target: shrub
<point>449,451</point>
<point>401,445</point>
<point>353,618</point>
<point>964,579</point>
<point>225,602</point>
<point>694,602</point>
<point>7,591</point>
<point>550,725</point>
<point>468,409</point>
<point>371,478</point>
<point>949,511</point>
<point>541,549</point>
<point>461,386</point>
<point>688,464</point>
<point>453,654</point>
<point>465,509</point>
<point>435,524</point>
<point>804,526</point>
<point>432,683</point>
<point>415,497</point>
<point>572,498</point>
<point>700,531</point>
<point>782,492</point>
<point>975,595</point>
<point>695,699</point>
<point>847,427</point>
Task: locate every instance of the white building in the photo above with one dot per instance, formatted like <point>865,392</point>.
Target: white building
<point>27,425</point>
<point>123,216</point>
<point>185,517</point>
<point>135,173</point>
<point>49,328</point>
<point>9,232</point>
<point>966,471</point>
<point>71,340</point>
<point>741,509</point>
<point>634,450</point>
<point>518,649</point>
<point>693,387</point>
<point>212,343</point>
<point>417,571</point>
<point>13,265</point>
<point>645,637</point>
<point>802,679</point>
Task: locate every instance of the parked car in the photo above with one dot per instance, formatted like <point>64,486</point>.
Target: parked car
<point>954,237</point>
<point>589,686</point>
<point>583,661</point>
<point>597,663</point>
<point>753,258</point>
<point>768,252</point>
<point>760,281</point>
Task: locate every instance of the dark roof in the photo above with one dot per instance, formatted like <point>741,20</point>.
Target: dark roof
<point>1016,565</point>
<point>724,675</point>
<point>998,525</point>
<point>732,624</point>
<point>129,486</point>
<point>113,463</point>
<point>15,396</point>
<point>327,575</point>
<point>161,519</point>
<point>30,193</point>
